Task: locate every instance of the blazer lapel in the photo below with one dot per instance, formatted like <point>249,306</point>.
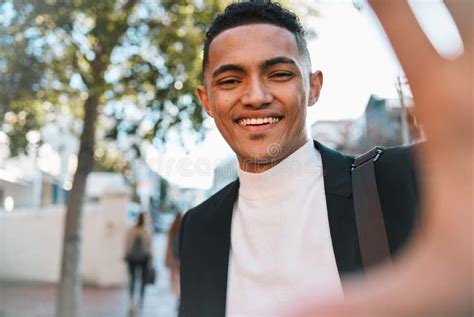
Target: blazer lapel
<point>215,279</point>
<point>338,188</point>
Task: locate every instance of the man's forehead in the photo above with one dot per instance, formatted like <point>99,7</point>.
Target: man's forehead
<point>243,33</point>
<point>252,40</point>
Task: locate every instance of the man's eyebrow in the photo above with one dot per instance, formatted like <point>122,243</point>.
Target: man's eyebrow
<point>227,67</point>
<point>277,60</point>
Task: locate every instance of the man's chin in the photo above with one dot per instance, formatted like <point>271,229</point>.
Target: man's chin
<point>258,163</point>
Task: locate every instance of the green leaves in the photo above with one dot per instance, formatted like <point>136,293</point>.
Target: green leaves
<point>133,54</point>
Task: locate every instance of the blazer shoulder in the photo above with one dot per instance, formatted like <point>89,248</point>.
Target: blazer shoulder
<point>210,212</point>
<point>330,153</point>
<point>400,152</point>
<point>210,204</point>
<point>398,165</point>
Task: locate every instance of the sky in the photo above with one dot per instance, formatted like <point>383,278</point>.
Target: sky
<point>356,59</point>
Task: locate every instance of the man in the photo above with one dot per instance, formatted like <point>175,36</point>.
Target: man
<point>286,227</point>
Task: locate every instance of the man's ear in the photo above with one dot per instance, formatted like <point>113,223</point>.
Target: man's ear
<point>202,94</point>
<point>315,85</point>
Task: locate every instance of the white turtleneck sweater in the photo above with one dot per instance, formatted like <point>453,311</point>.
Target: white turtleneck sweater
<point>281,249</point>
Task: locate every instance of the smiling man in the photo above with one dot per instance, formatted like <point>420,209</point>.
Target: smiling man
<point>258,85</point>
<point>286,228</point>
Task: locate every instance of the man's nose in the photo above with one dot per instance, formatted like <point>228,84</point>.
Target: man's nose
<point>256,94</point>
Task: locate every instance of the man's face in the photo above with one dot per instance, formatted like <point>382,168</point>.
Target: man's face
<point>257,89</point>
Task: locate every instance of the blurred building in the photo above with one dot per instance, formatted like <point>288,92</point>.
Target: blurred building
<point>224,173</point>
<point>33,191</point>
<point>44,175</point>
<point>385,122</point>
<point>18,179</point>
<point>391,122</point>
<point>31,238</point>
<point>100,183</point>
<point>14,190</point>
<point>342,135</point>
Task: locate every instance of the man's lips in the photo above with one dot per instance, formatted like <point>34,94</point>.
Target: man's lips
<point>257,121</point>
<point>258,124</point>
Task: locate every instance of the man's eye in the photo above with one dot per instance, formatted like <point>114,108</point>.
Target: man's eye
<point>228,82</point>
<point>282,75</point>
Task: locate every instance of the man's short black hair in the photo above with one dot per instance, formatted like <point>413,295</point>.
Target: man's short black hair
<point>253,12</point>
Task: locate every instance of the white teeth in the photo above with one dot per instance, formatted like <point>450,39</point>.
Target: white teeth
<point>258,121</point>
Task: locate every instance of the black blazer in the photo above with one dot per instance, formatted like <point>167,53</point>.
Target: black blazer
<point>205,229</point>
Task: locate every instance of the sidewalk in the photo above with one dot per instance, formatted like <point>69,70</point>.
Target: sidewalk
<point>38,300</point>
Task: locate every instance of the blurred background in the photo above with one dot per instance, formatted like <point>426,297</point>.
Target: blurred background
<point>104,91</point>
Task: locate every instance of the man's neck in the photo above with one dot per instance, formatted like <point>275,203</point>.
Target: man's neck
<point>262,166</point>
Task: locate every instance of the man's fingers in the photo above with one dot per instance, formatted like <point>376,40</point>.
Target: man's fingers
<point>462,10</point>
<point>412,47</point>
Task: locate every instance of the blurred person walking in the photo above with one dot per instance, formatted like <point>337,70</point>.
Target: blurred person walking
<point>138,255</point>
<point>172,254</point>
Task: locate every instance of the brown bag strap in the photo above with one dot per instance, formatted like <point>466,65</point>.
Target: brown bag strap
<point>368,212</point>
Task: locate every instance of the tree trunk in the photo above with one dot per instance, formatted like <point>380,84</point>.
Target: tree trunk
<point>68,298</point>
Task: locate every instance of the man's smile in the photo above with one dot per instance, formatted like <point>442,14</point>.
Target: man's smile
<point>254,124</point>
<point>258,121</point>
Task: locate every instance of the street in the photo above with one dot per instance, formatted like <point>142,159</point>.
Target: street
<point>21,299</point>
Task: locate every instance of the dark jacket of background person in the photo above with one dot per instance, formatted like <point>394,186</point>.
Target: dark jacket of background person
<point>206,229</point>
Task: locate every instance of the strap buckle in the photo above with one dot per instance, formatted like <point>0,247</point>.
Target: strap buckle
<point>374,154</point>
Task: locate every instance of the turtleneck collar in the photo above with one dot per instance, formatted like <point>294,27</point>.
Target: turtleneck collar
<point>288,175</point>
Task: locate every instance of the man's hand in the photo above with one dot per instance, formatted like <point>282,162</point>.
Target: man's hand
<point>433,277</point>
